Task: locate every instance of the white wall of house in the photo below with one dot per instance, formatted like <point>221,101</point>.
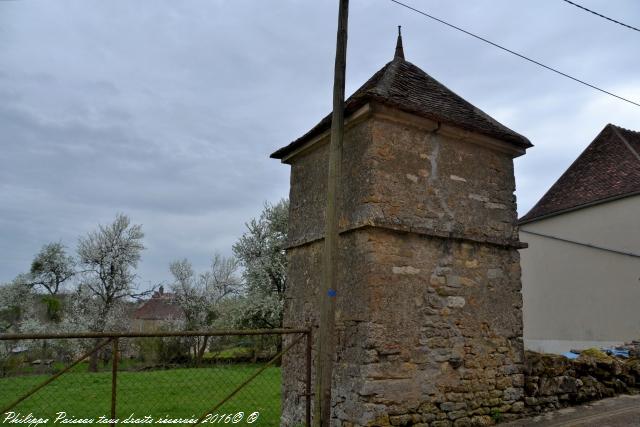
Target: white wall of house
<point>577,296</point>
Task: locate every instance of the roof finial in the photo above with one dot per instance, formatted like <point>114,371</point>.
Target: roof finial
<point>399,49</point>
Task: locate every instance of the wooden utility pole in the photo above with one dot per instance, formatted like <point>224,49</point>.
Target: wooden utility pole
<point>329,286</point>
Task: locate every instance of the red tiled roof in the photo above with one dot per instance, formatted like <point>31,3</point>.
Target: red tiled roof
<point>608,168</point>
<point>161,307</point>
<point>402,85</point>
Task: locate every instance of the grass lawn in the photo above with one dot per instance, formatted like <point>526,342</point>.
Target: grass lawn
<point>173,393</point>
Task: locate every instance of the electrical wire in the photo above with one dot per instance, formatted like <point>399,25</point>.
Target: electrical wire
<point>601,15</point>
<point>588,245</point>
<point>516,53</point>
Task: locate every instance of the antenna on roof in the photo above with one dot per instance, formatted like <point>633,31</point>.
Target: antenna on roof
<point>399,50</point>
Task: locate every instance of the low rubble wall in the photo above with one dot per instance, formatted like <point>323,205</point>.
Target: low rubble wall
<point>550,382</point>
<point>553,381</point>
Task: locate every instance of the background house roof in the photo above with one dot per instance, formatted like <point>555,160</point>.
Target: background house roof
<point>402,85</point>
<point>608,168</point>
<point>161,306</point>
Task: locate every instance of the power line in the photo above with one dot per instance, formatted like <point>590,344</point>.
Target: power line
<point>588,245</point>
<point>516,53</point>
<point>601,15</point>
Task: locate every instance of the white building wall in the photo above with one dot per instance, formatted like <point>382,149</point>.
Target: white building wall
<point>577,296</point>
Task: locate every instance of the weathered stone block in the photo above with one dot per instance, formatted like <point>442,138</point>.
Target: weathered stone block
<point>512,393</point>
<point>453,406</point>
<point>401,420</point>
<point>454,415</point>
<point>462,422</point>
<point>517,407</point>
<point>481,421</point>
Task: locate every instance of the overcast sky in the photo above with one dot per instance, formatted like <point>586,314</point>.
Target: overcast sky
<point>168,110</point>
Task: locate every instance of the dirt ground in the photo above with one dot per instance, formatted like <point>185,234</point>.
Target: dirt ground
<point>613,412</point>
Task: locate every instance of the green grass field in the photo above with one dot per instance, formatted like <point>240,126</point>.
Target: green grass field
<point>173,393</point>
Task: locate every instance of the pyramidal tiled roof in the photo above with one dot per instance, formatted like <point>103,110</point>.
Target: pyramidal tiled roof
<point>608,168</point>
<point>402,85</point>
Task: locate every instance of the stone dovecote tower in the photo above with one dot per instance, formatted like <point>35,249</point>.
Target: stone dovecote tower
<point>429,310</point>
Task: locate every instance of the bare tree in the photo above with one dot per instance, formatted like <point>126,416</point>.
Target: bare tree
<point>201,296</point>
<point>109,257</point>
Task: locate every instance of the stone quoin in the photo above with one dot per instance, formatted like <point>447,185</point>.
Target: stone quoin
<point>429,309</point>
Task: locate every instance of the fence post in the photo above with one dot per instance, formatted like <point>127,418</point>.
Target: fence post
<point>114,380</point>
<point>308,392</point>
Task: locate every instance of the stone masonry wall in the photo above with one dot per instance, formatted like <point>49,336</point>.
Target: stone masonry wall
<point>553,381</point>
<point>424,335</point>
<point>437,184</point>
<point>428,319</point>
<point>439,345</point>
<point>408,178</point>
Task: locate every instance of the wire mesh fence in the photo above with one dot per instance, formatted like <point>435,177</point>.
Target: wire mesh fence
<point>189,378</point>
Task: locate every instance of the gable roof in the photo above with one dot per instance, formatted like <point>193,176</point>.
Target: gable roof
<point>402,85</point>
<point>159,307</point>
<point>608,168</point>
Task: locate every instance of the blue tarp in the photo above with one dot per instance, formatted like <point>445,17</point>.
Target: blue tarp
<point>617,352</point>
<point>612,351</point>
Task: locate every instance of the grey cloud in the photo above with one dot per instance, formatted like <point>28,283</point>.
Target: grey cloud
<point>168,110</point>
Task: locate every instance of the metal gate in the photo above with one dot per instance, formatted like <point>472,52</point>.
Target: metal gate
<point>179,378</point>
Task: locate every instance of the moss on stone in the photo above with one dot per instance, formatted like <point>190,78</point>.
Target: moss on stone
<point>596,354</point>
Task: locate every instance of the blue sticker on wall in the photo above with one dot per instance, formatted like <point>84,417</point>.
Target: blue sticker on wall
<point>332,292</point>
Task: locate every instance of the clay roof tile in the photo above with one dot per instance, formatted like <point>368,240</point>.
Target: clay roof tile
<point>159,308</point>
<point>609,168</point>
